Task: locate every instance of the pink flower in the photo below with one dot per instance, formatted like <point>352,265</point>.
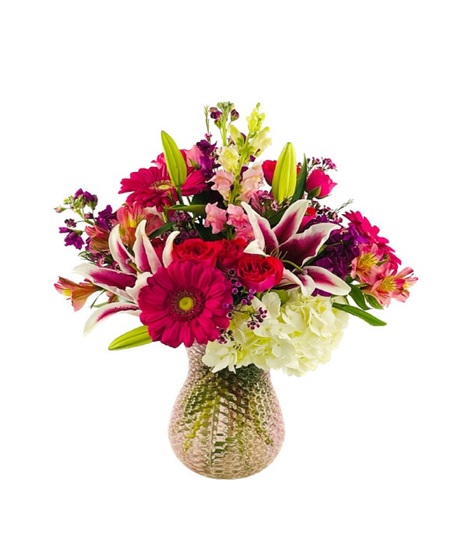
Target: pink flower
<point>385,284</point>
<point>216,217</point>
<point>370,256</point>
<point>222,182</point>
<point>185,302</point>
<point>371,234</point>
<point>78,293</point>
<point>252,179</point>
<point>238,219</point>
<point>321,182</point>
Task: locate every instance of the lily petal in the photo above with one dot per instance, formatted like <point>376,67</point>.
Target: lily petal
<point>262,230</point>
<point>146,258</point>
<point>303,246</point>
<point>109,310</point>
<point>305,282</point>
<point>327,281</point>
<point>291,220</point>
<point>254,248</point>
<point>118,250</point>
<point>111,280</point>
<point>167,256</point>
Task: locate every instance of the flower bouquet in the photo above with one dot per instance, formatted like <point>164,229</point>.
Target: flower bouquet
<point>240,260</point>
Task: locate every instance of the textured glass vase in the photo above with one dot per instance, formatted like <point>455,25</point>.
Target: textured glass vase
<point>226,425</point>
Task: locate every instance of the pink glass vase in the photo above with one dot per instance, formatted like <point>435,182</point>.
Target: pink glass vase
<point>226,425</point>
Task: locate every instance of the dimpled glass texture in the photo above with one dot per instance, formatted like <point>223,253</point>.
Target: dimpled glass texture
<point>226,425</point>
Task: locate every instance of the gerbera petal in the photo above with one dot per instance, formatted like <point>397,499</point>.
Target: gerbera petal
<point>290,221</point>
<point>327,281</point>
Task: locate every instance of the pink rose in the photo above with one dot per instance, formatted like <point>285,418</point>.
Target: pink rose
<point>320,182</point>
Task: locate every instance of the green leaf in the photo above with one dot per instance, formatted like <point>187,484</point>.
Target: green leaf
<point>175,163</point>
<point>196,208</point>
<point>373,302</point>
<point>134,338</point>
<point>358,297</point>
<point>359,313</point>
<point>301,181</point>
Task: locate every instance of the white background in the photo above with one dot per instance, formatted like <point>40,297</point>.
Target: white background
<point>373,462</point>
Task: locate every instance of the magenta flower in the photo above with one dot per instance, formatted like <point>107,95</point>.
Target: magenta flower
<point>319,182</point>
<point>185,302</point>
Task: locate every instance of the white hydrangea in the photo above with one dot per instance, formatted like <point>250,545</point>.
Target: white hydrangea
<point>296,335</point>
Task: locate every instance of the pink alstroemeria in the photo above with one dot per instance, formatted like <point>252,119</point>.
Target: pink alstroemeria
<point>386,283</point>
<point>134,271</point>
<point>296,248</point>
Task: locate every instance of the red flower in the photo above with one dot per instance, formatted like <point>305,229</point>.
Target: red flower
<point>229,252</point>
<point>196,249</point>
<point>185,302</point>
<point>321,182</point>
<point>268,168</point>
<point>259,272</point>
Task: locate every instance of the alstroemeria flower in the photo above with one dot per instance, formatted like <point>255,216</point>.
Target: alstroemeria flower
<point>296,249</point>
<point>132,276</point>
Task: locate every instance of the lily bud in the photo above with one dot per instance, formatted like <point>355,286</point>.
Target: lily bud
<point>175,162</point>
<point>133,338</point>
<point>285,174</point>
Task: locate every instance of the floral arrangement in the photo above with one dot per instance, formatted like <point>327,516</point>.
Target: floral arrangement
<point>217,246</point>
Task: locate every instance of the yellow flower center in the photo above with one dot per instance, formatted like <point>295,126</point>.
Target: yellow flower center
<point>366,262</point>
<point>186,303</point>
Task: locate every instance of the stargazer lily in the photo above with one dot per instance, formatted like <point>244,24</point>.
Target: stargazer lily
<point>295,249</point>
<point>135,270</point>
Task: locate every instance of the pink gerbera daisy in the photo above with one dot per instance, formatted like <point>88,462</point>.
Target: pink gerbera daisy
<point>150,187</point>
<point>185,302</point>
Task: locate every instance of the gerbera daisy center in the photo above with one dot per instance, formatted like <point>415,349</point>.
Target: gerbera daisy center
<point>186,303</point>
